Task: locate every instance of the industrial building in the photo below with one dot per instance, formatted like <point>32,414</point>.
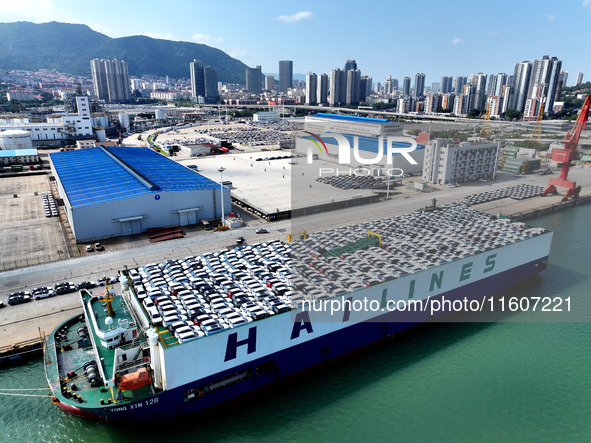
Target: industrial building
<point>447,162</point>
<point>18,157</point>
<point>113,191</point>
<point>363,133</point>
<point>58,127</point>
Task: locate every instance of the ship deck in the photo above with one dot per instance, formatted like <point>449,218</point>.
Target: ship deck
<point>69,362</point>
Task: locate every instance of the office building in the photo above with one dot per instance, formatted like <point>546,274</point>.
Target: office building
<point>110,79</point>
<point>253,80</point>
<point>210,76</point>
<point>406,86</point>
<point>579,78</point>
<point>270,82</point>
<point>365,87</point>
<point>197,79</point>
<point>419,85</point>
<point>285,75</point>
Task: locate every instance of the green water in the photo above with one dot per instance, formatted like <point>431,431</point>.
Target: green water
<point>509,381</point>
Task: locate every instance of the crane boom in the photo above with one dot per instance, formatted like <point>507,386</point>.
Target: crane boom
<point>565,156</point>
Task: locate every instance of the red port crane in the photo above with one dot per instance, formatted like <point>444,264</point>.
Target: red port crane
<point>565,156</point>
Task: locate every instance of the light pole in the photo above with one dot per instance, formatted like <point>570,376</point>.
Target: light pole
<point>222,169</point>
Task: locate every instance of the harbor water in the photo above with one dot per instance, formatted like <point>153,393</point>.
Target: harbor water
<point>511,380</point>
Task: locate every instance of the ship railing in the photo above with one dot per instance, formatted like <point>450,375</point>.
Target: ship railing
<point>130,364</point>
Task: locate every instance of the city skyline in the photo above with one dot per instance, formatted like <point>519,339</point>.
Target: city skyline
<point>426,44</point>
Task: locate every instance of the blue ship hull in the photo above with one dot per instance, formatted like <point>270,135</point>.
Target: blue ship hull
<point>295,360</point>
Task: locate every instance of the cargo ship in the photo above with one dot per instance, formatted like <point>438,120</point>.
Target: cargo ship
<point>185,335</point>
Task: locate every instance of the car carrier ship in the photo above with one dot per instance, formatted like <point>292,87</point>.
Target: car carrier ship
<point>185,335</point>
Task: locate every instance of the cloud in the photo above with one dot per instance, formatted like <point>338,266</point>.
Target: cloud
<point>586,3</point>
<point>159,36</point>
<point>550,17</point>
<point>34,10</point>
<point>206,39</point>
<point>302,15</point>
<point>457,41</point>
<point>237,52</point>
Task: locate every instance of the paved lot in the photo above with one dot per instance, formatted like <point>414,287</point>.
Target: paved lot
<point>26,235</point>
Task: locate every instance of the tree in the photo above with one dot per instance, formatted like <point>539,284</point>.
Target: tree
<point>513,114</point>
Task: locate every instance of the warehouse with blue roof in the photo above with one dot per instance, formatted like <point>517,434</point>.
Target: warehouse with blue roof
<point>113,191</point>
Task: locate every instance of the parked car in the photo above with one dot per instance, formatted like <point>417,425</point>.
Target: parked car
<point>261,231</point>
<point>16,298</point>
<point>42,292</point>
<point>98,247</point>
<point>89,248</point>
<point>239,240</point>
<point>2,305</point>
<point>85,285</point>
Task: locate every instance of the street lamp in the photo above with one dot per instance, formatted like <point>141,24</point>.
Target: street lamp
<point>222,169</point>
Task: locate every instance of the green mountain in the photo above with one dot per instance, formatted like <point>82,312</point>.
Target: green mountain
<point>70,47</point>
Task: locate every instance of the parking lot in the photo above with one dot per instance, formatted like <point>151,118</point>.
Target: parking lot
<point>27,236</point>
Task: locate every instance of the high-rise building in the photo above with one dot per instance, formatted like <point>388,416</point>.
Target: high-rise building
<point>111,80</point>
<point>419,85</point>
<point>521,82</point>
<point>388,85</point>
<point>579,78</point>
<point>435,87</point>
<point>561,83</point>
<point>285,75</point>
<point>353,86</point>
<point>253,80</point>
<point>446,85</point>
<point>322,93</point>
<point>406,86</point>
<point>197,79</point>
<point>350,64</point>
<point>458,84</point>
<point>365,86</point>
<point>210,77</point>
<point>311,88</point>
<point>270,82</point>
<point>478,82</point>
<point>563,78</point>
<point>338,87</point>
<point>552,89</point>
<point>506,97</point>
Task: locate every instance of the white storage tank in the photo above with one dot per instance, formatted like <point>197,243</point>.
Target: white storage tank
<point>159,114</point>
<point>15,139</point>
<point>124,120</point>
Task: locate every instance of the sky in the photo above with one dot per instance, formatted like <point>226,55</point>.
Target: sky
<point>387,37</point>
